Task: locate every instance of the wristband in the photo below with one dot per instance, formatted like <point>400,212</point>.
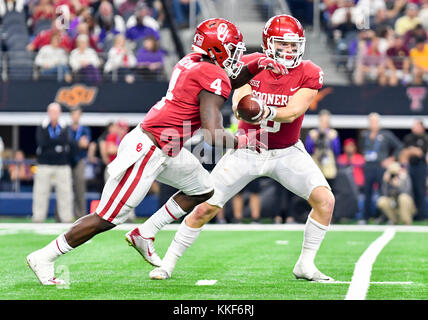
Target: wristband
<point>272,113</point>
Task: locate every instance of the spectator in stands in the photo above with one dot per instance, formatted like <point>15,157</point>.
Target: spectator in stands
<point>423,13</point>
<point>53,60</point>
<point>409,20</point>
<point>158,11</point>
<point>20,172</point>
<point>382,21</point>
<point>11,5</point>
<point>82,137</point>
<point>351,158</point>
<point>419,59</point>
<point>370,60</point>
<point>121,58</point>
<point>371,7</point>
<point>44,10</point>
<point>83,28</point>
<point>53,150</point>
<point>84,60</point>
<point>83,16</point>
<point>74,6</point>
<point>143,13</point>
<point>380,148</point>
<point>238,202</point>
<point>323,144</point>
<point>396,195</point>
<point>44,38</point>
<point>128,7</point>
<point>395,8</point>
<point>345,10</point>
<point>412,35</point>
<point>150,57</point>
<point>415,150</point>
<point>344,34</point>
<point>108,24</point>
<point>139,32</point>
<point>398,63</point>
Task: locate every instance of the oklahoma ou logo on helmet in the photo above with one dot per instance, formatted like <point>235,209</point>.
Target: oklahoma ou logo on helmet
<point>222,31</point>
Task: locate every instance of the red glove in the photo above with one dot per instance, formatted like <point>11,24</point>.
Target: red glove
<point>249,141</point>
<point>264,63</point>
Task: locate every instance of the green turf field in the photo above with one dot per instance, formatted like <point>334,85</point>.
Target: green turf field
<point>248,265</point>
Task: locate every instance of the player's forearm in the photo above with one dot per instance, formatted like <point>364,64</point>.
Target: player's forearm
<point>289,114</point>
<point>296,107</point>
<point>244,77</point>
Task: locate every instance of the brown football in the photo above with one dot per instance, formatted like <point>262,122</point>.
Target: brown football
<point>249,108</point>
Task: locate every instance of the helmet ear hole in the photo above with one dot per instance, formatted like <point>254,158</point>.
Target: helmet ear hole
<point>217,50</point>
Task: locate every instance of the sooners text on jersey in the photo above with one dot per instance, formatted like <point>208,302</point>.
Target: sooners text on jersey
<point>277,90</point>
<point>176,117</point>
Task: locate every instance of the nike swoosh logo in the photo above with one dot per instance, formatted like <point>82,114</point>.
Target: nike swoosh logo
<point>294,89</point>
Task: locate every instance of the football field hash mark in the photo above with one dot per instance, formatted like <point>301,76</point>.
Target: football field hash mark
<point>206,282</point>
<point>281,242</point>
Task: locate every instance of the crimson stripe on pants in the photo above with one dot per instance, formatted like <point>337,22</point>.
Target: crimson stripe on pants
<point>133,184</point>
<point>116,191</point>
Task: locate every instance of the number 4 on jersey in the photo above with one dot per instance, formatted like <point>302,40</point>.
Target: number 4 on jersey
<point>216,85</point>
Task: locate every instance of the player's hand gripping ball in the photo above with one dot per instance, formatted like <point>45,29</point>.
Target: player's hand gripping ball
<point>250,109</point>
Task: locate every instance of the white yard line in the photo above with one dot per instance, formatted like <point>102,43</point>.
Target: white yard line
<point>361,278</point>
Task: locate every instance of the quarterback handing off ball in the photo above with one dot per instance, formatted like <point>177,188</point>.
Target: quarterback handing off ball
<point>250,108</point>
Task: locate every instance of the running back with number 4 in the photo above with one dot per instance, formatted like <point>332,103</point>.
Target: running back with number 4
<point>179,109</point>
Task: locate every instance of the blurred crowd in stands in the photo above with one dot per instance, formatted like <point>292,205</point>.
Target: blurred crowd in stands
<point>379,41</point>
<point>85,40</point>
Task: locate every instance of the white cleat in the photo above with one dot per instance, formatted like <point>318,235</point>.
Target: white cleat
<point>144,246</point>
<point>310,273</point>
<point>159,274</point>
<point>43,269</point>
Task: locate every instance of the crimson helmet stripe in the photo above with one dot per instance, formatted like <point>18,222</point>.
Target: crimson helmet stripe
<point>133,185</point>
